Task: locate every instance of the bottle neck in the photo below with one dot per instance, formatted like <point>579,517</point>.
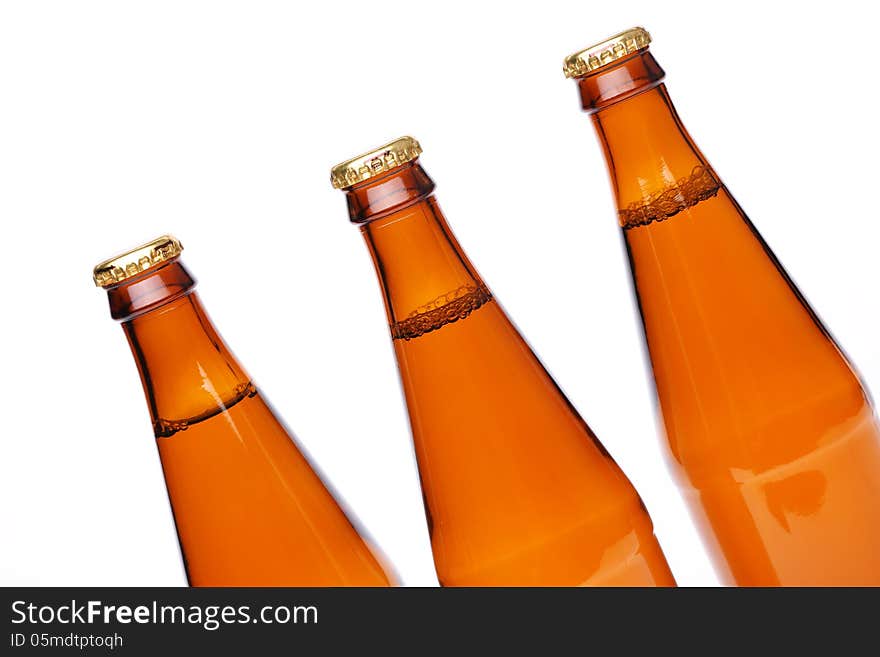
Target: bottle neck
<point>426,278</point>
<point>656,169</point>
<point>187,371</point>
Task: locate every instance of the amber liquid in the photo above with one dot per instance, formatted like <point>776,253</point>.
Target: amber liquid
<point>249,508</point>
<point>517,489</point>
<point>776,442</point>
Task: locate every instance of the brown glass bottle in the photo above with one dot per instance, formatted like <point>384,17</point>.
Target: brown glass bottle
<point>249,508</point>
<point>517,489</point>
<point>775,438</point>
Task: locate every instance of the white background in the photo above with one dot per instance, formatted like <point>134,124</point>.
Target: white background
<point>218,122</point>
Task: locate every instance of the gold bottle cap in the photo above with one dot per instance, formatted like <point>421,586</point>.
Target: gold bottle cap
<point>606,52</point>
<point>371,164</point>
<point>133,262</point>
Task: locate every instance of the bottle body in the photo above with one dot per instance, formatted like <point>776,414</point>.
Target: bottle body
<point>249,508</point>
<point>517,489</point>
<point>775,441</point>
